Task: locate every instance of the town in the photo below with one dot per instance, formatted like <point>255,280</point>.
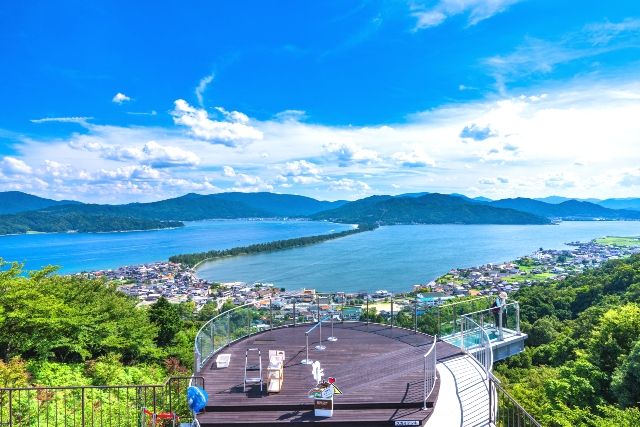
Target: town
<point>179,283</point>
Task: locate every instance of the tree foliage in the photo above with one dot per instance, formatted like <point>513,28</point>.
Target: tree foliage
<point>581,366</point>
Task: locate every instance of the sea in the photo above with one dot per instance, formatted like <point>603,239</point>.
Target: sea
<point>392,257</point>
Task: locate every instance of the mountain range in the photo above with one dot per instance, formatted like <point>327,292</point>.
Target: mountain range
<point>22,212</point>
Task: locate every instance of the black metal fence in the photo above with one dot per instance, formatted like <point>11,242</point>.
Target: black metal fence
<point>104,406</point>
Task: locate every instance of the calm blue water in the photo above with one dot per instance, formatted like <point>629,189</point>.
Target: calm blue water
<point>94,251</point>
<point>397,257</point>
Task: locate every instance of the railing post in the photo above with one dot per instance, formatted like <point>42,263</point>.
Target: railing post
<point>517,318</point>
<point>82,405</point>
<point>270,314</point>
<point>490,400</point>
<point>10,407</point>
<point>228,329</point>
<point>391,311</point>
<point>318,305</point>
<point>212,331</point>
<point>500,314</point>
<point>307,361</point>
<point>367,312</point>
<point>415,315</point>
<point>424,400</point>
<point>462,332</point>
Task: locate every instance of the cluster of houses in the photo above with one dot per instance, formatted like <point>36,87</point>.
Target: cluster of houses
<point>540,266</point>
<point>149,282</point>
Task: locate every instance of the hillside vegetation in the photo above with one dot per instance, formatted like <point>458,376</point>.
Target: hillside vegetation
<point>427,209</point>
<point>70,330</point>
<point>581,366</point>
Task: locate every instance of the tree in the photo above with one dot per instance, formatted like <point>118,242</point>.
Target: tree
<point>167,318</point>
<point>626,379</point>
<point>615,336</point>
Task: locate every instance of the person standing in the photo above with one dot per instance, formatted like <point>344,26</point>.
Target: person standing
<point>499,306</point>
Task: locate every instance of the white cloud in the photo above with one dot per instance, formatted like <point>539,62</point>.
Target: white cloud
<point>79,120</point>
<point>540,56</point>
<point>12,166</point>
<point>143,113</point>
<point>202,86</point>
<point>414,158</point>
<point>120,98</point>
<point>537,144</point>
<point>476,11</point>
<point>559,180</point>
<point>151,153</point>
<point>291,116</point>
<point>301,167</point>
<point>230,132</point>
<point>348,153</point>
<point>350,186</point>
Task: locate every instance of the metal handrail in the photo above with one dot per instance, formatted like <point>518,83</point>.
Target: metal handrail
<point>449,304</point>
<point>430,373</point>
<point>514,304</point>
<point>516,415</point>
<point>318,323</point>
<point>88,405</point>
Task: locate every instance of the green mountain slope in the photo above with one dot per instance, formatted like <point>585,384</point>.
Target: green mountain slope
<point>581,364</point>
<point>570,209</point>
<point>62,221</point>
<point>17,201</point>
<point>427,209</point>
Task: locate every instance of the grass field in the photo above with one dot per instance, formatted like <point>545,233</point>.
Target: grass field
<point>619,241</point>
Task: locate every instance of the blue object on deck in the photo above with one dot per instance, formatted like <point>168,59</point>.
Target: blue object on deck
<point>197,399</point>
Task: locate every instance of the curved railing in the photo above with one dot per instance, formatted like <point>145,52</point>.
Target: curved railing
<point>476,342</point>
<point>430,373</point>
<point>226,328</point>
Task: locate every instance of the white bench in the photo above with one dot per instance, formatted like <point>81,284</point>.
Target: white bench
<point>223,360</point>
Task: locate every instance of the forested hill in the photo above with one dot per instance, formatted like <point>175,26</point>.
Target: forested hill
<point>17,201</point>
<point>58,221</point>
<point>581,366</point>
<point>568,210</point>
<point>426,209</point>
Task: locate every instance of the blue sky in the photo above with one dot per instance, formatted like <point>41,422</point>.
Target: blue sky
<point>122,101</point>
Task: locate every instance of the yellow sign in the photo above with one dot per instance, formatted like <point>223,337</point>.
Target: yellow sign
<point>336,390</point>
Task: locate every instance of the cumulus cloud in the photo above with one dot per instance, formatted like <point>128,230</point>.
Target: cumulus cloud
<point>559,181</point>
<point>477,132</point>
<point>414,158</point>
<point>151,153</point>
<point>493,181</point>
<point>228,171</point>
<point>202,86</point>
<point>120,98</point>
<point>348,153</point>
<point>349,185</point>
<point>12,166</point>
<point>630,178</point>
<point>476,11</point>
<point>233,130</point>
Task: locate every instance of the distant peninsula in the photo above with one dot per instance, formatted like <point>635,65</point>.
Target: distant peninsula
<point>192,260</point>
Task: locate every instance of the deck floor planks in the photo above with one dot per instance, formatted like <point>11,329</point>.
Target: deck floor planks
<point>375,366</point>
